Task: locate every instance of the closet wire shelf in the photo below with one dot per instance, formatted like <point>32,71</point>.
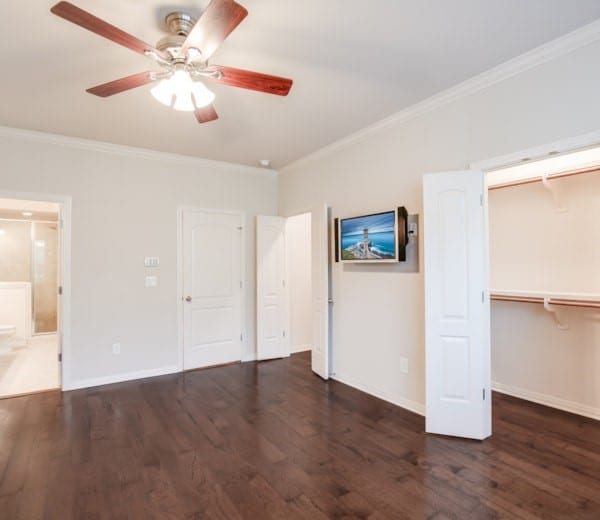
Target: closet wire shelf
<point>543,178</point>
<point>571,302</point>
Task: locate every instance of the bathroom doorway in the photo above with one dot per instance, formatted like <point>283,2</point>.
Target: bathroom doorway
<point>30,287</point>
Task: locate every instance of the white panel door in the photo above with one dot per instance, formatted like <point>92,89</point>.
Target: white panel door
<point>457,315</point>
<point>212,288</point>
<point>321,270</point>
<point>271,294</point>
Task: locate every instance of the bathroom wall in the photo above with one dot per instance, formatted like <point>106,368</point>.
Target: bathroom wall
<point>45,271</point>
<point>15,251</point>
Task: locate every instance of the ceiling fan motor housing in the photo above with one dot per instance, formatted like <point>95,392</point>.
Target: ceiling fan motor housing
<point>179,25</point>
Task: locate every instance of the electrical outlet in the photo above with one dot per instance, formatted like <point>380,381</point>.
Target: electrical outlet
<point>404,365</point>
<point>116,348</point>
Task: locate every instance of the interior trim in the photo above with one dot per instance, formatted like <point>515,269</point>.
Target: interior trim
<point>129,151</point>
<point>553,49</point>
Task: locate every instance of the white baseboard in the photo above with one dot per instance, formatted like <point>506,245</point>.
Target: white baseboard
<point>119,378</point>
<point>548,400</point>
<point>299,348</point>
<point>407,404</point>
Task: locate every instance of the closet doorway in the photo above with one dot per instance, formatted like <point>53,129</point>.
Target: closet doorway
<point>30,282</point>
<point>543,208</point>
<point>544,234</point>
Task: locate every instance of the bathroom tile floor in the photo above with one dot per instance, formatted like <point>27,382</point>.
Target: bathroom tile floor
<point>31,368</point>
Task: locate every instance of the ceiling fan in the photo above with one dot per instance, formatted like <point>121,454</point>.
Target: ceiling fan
<point>183,55</point>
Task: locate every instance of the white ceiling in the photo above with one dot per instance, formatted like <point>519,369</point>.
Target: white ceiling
<point>352,62</point>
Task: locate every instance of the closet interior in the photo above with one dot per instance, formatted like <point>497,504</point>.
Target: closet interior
<point>544,233</point>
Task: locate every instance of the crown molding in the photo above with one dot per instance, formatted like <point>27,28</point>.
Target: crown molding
<point>128,151</point>
<point>561,46</point>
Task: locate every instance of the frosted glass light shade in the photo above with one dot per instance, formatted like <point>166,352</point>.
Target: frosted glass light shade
<point>181,92</point>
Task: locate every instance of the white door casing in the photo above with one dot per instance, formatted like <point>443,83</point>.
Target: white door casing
<point>321,291</point>
<point>212,287</point>
<point>457,312</point>
<point>271,291</point>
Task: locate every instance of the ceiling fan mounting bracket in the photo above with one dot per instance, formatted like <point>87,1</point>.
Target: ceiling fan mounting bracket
<point>179,23</point>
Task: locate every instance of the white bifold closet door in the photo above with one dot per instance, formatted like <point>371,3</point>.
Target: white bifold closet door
<point>271,293</point>
<point>457,313</point>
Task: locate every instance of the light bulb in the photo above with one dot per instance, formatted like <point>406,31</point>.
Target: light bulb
<point>163,92</point>
<point>181,92</point>
<point>202,96</point>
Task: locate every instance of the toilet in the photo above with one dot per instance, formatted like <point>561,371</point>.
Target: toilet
<point>6,334</point>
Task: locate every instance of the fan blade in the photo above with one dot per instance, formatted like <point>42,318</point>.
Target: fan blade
<point>122,84</point>
<point>216,23</point>
<point>206,114</point>
<point>92,23</point>
<point>252,80</point>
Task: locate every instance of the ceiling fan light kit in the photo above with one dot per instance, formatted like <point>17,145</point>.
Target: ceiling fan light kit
<point>183,55</point>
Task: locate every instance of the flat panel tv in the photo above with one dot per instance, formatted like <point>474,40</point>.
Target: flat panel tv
<point>369,238</point>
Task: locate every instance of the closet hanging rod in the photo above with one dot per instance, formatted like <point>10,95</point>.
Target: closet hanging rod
<point>594,304</point>
<point>558,175</point>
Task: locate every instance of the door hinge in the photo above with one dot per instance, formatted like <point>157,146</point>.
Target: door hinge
<point>484,394</point>
<point>283,283</point>
<point>60,290</point>
<point>482,296</point>
<point>481,199</point>
<point>241,284</point>
<point>62,224</point>
<point>284,333</point>
<point>241,337</point>
<point>60,357</point>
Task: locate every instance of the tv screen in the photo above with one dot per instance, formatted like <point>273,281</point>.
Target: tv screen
<point>369,238</point>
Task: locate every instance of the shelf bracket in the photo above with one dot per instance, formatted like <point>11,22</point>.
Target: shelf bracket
<point>554,312</point>
<point>559,207</point>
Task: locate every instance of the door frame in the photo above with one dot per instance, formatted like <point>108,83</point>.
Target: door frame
<point>180,278</point>
<point>288,270</point>
<point>528,155</point>
<point>64,301</point>
<point>288,303</point>
<point>331,255</point>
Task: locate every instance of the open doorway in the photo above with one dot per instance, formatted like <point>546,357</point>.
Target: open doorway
<point>310,244</point>
<point>299,276</point>
<point>30,269</point>
<point>544,234</point>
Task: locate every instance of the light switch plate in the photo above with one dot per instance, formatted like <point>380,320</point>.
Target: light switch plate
<point>151,281</point>
<point>404,365</point>
<point>151,261</point>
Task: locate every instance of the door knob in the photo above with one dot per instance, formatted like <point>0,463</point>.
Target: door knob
<point>188,299</point>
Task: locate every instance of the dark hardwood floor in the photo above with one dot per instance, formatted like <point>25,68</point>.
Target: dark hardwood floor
<point>271,440</point>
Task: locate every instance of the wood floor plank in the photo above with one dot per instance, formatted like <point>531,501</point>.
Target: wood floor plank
<point>272,440</point>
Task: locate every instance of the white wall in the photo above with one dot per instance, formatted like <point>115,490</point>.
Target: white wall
<point>124,207</point>
<point>298,252</point>
<point>534,248</point>
<point>378,316</point>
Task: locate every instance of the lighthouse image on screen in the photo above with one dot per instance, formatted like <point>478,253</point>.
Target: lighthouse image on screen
<point>370,238</point>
